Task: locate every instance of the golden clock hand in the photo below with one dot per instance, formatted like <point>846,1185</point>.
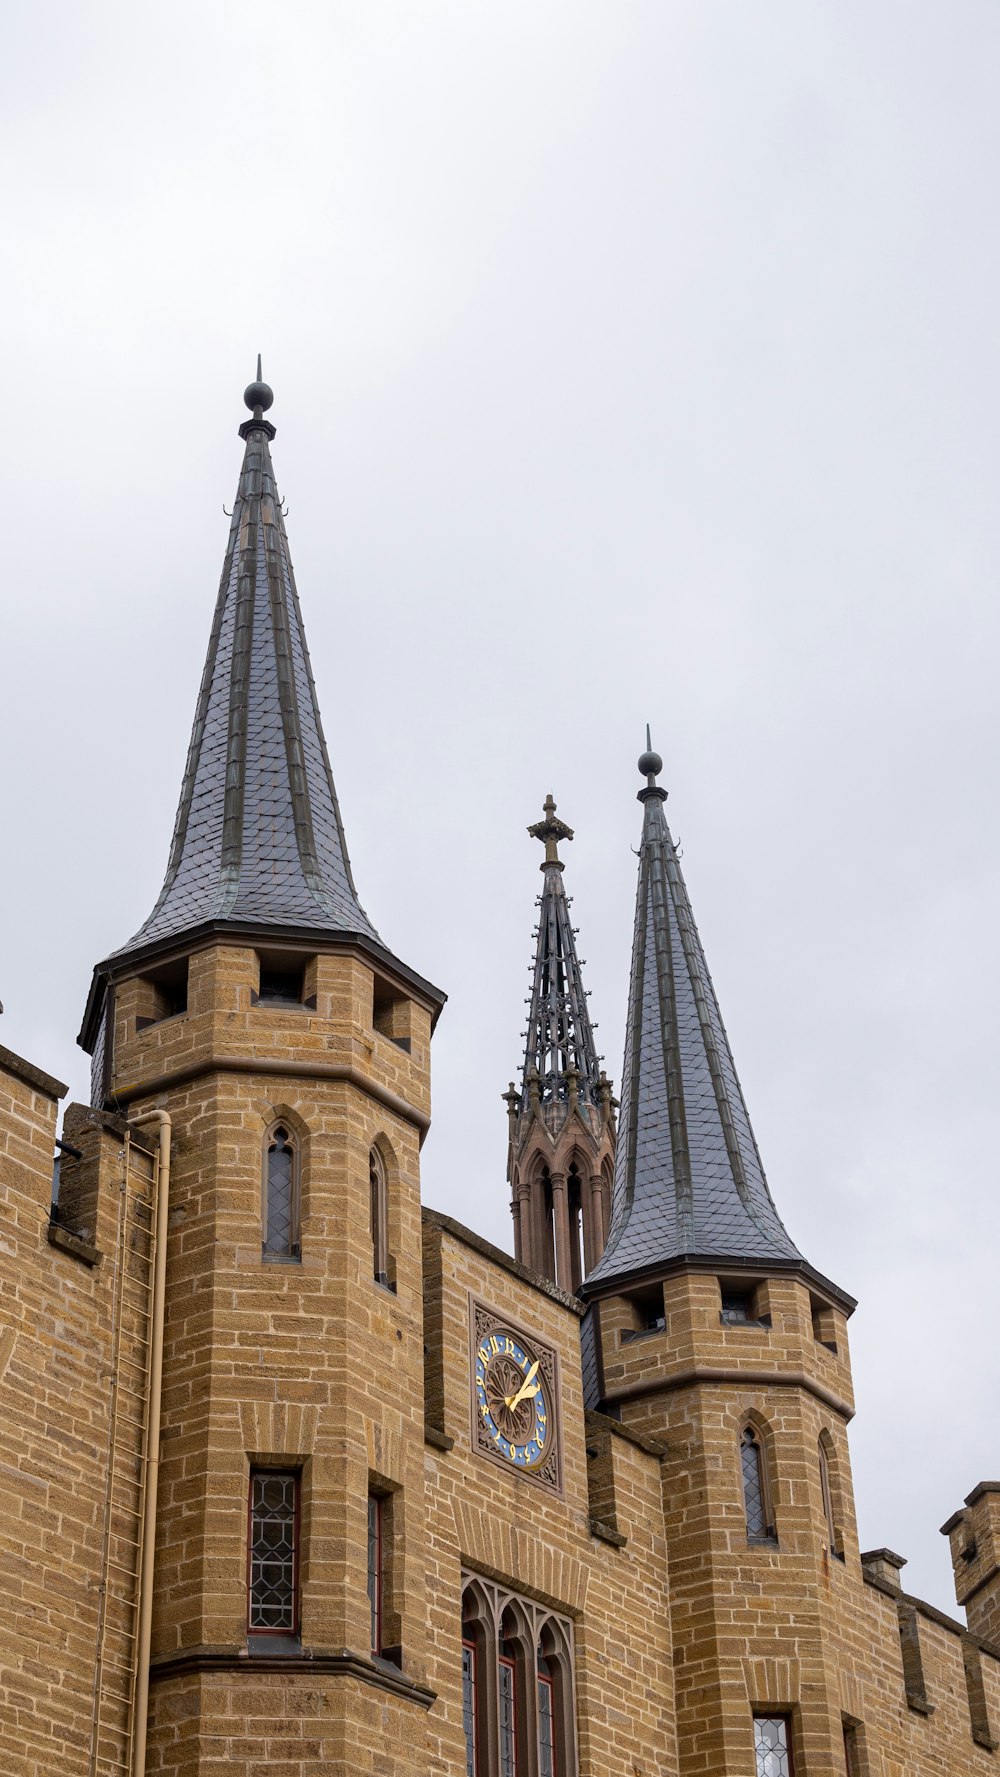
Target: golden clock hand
<point>514,1400</point>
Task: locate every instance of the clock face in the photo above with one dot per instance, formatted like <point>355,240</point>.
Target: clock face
<point>511,1397</point>
<point>514,1404</point>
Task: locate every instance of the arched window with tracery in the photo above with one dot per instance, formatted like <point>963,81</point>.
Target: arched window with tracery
<point>281,1194</point>
<point>756,1489</point>
<point>555,1700</point>
<point>378,1191</point>
<point>518,1712</point>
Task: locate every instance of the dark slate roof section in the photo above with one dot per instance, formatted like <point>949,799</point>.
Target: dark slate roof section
<point>560,1035</point>
<point>258,836</point>
<point>688,1176</point>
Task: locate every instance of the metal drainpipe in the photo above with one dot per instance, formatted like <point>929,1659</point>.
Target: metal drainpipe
<point>145,1623</point>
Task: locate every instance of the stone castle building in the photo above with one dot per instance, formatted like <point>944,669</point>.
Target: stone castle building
<point>301,1478</point>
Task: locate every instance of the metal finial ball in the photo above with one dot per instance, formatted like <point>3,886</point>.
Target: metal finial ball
<point>650,764</point>
<point>258,394</point>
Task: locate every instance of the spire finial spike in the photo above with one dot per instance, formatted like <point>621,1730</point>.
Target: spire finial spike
<point>259,375</point>
<point>258,395</point>
<point>550,831</point>
<point>650,764</point>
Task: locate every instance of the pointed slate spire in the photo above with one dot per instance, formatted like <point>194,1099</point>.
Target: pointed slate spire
<point>689,1183</point>
<point>258,836</point>
<point>562,1119</point>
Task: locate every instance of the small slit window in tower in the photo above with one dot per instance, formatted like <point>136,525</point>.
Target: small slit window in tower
<point>282,979</point>
<point>378,1209</point>
<point>755,1494</point>
<point>827,1493</point>
<point>281,1194</point>
<point>375,1555</point>
<point>166,993</point>
<point>737,1305</point>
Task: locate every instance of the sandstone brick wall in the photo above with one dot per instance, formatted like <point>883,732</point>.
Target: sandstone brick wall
<point>540,1543</point>
<point>680,1628</point>
<point>53,1411</point>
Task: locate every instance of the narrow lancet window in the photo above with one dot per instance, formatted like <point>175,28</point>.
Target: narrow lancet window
<point>508,1701</point>
<point>546,1717</point>
<point>469,1706</point>
<point>827,1493</point>
<point>281,1195</point>
<point>375,1528</point>
<point>379,1212</point>
<point>755,1498</point>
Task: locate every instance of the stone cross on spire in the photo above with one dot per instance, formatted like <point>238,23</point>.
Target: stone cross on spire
<point>550,831</point>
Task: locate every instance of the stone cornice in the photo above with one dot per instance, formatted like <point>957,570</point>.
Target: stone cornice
<point>702,1373</point>
<point>338,1662</point>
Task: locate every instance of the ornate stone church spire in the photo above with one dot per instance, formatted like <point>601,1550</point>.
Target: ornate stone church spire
<point>689,1183</point>
<point>562,1119</point>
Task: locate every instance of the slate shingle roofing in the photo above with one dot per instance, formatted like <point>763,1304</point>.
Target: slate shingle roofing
<point>258,836</point>
<point>688,1176</point>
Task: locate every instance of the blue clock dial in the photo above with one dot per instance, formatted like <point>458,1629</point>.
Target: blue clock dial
<point>511,1399</point>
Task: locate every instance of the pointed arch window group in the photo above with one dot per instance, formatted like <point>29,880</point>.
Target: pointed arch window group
<point>518,1711</point>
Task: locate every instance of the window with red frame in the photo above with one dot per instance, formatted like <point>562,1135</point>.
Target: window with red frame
<point>546,1718</point>
<point>507,1696</point>
<point>273,1555</point>
<point>470,1702</point>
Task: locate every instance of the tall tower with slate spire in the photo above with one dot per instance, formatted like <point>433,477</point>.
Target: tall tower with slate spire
<point>258,1008</point>
<point>708,1330</point>
<point>561,1122</point>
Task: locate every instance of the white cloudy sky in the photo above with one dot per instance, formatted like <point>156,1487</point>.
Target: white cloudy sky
<point>633,362</point>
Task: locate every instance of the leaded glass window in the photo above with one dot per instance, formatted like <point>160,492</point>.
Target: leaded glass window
<point>375,1569</point>
<point>469,1705</point>
<point>754,1492</point>
<point>518,1709</point>
<point>273,1552</point>
<point>507,1687</point>
<point>281,1234</point>
<point>546,1719</point>
<point>772,1745</point>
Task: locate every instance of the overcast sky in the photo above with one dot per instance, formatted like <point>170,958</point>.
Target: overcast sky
<point>632,362</point>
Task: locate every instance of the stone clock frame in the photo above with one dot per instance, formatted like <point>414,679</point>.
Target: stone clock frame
<point>484,1320</point>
